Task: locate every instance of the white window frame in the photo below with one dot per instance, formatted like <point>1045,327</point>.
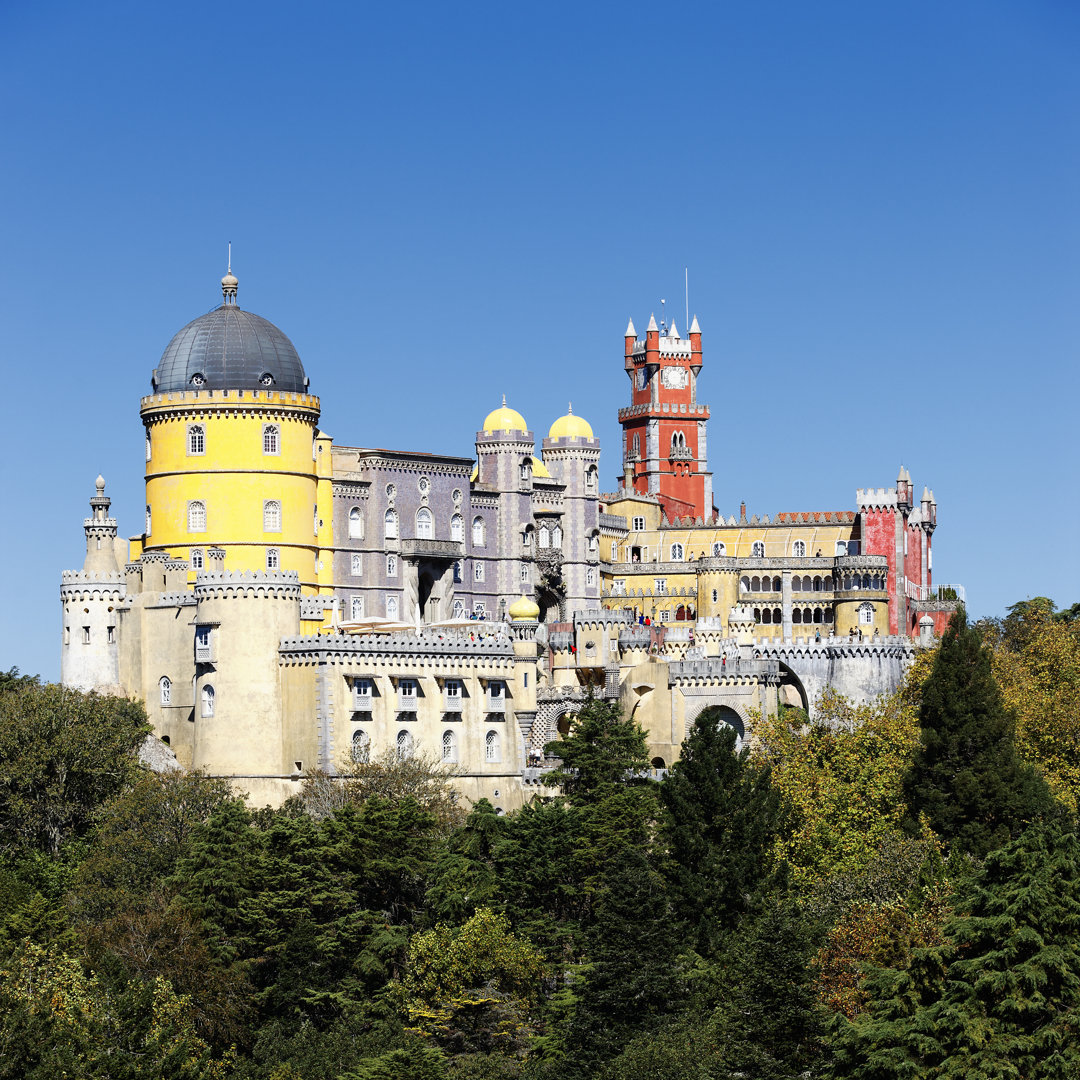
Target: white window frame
<point>196,440</point>
<point>405,745</point>
<point>165,689</point>
<point>425,527</point>
<point>272,515</point>
<point>798,549</point>
<point>209,700</point>
<point>660,586</point>
<point>393,606</point>
<point>757,549</point>
<point>271,440</point>
<point>196,516</point>
<point>523,574</point>
<point>273,558</point>
<point>479,531</point>
<point>356,607</point>
<point>390,524</point>
<point>357,566</point>
<point>638,524</point>
<point>197,559</point>
<point>391,566</point>
<point>492,749</point>
<point>478,571</point>
<point>356,523</point>
<point>719,548</point>
<point>866,614</point>
<point>449,747</point>
<point>149,521</point>
<point>678,553</point>
<point>457,528</point>
<point>590,576</point>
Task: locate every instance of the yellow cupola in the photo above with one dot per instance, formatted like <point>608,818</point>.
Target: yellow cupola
<point>570,426</point>
<point>504,419</point>
<point>524,610</point>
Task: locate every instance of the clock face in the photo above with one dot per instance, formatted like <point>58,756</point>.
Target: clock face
<point>675,378</point>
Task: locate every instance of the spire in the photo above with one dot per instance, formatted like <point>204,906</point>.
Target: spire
<point>674,331</point>
<point>229,282</point>
<point>504,401</point>
<point>569,408</point>
<point>694,328</point>
<point>630,331</point>
<point>652,327</point>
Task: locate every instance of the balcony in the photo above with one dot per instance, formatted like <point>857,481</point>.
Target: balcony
<point>433,549</point>
<point>929,594</point>
<point>451,703</point>
<point>362,702</point>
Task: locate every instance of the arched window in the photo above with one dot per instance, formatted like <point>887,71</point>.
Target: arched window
<point>637,447</point>
<point>744,584</point>
<point>796,615</point>
<point>208,701</point>
<point>196,439</point>
<point>196,516</point>
<point>165,686</point>
<point>391,607</point>
<point>356,523</point>
<point>817,615</point>
<point>356,607</point>
<point>358,566</point>
<point>270,439</point>
<point>556,538</point>
<point>796,584</point>
<point>478,531</point>
<point>757,551</point>
<point>390,525</point>
<point>719,548</point>
<point>273,559</point>
<point>777,584</point>
<point>757,615</point>
<point>271,516</point>
<point>866,614</point>
<point>680,614</point>
<point>457,528</point>
<point>777,617</point>
<point>423,524</point>
<point>449,746</point>
<point>525,470</point>
<point>148,446</point>
<point>391,566</point>
<point>491,747</point>
<point>592,483</point>
<point>677,553</point>
<point>196,559</point>
<point>766,616</point>
<point>545,536</point>
<point>459,609</point>
<point>841,547</point>
<point>404,745</point>
<point>755,584</point>
<point>817,584</point>
<point>798,549</point>
<point>361,747</point>
<point>148,523</point>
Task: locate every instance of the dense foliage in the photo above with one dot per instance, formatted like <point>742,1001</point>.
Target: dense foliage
<point>892,890</point>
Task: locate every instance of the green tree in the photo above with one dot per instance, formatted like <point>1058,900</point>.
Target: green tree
<point>721,820</point>
<point>601,751</point>
<point>471,989</point>
<point>1001,997</point>
<point>966,777</point>
<point>62,754</point>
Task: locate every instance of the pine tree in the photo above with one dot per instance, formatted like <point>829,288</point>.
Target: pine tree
<point>1002,997</point>
<point>966,776</point>
<point>721,818</point>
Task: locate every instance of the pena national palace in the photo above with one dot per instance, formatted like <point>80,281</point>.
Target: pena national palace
<point>293,603</point>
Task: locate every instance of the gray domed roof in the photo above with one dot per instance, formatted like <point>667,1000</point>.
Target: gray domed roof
<point>230,349</point>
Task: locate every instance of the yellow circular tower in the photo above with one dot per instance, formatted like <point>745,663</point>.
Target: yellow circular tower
<point>230,447</point>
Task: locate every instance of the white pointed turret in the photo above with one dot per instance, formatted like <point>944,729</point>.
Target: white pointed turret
<point>694,328</point>
<point>674,331</point>
<point>652,327</point>
<point>630,331</point>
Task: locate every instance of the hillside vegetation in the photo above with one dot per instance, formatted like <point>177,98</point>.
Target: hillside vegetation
<point>891,892</point>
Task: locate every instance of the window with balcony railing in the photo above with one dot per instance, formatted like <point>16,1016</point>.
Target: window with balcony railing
<point>452,696</point>
<point>203,645</point>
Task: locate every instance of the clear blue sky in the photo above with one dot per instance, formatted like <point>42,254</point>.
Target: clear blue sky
<point>440,203</point>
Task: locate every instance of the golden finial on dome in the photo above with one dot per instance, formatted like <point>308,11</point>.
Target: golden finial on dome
<point>229,282</point>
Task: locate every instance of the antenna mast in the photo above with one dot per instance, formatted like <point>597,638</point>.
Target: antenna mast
<point>686,271</point>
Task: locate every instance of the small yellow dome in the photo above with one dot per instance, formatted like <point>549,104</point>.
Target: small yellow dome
<point>540,469</point>
<point>504,419</point>
<point>570,427</point>
<point>523,610</point>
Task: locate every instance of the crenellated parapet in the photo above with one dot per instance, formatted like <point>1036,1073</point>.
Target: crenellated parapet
<point>248,584</point>
<point>876,498</point>
<point>92,585</point>
<point>398,650</point>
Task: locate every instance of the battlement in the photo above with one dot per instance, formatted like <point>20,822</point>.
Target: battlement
<point>876,498</point>
<point>268,584</point>
<point>315,607</point>
<point>73,577</point>
<point>601,616</point>
<point>205,398</point>
<point>403,644</point>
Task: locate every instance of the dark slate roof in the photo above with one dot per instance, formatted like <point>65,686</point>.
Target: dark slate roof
<point>230,349</point>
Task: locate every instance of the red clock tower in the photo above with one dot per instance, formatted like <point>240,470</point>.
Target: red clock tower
<point>664,448</point>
